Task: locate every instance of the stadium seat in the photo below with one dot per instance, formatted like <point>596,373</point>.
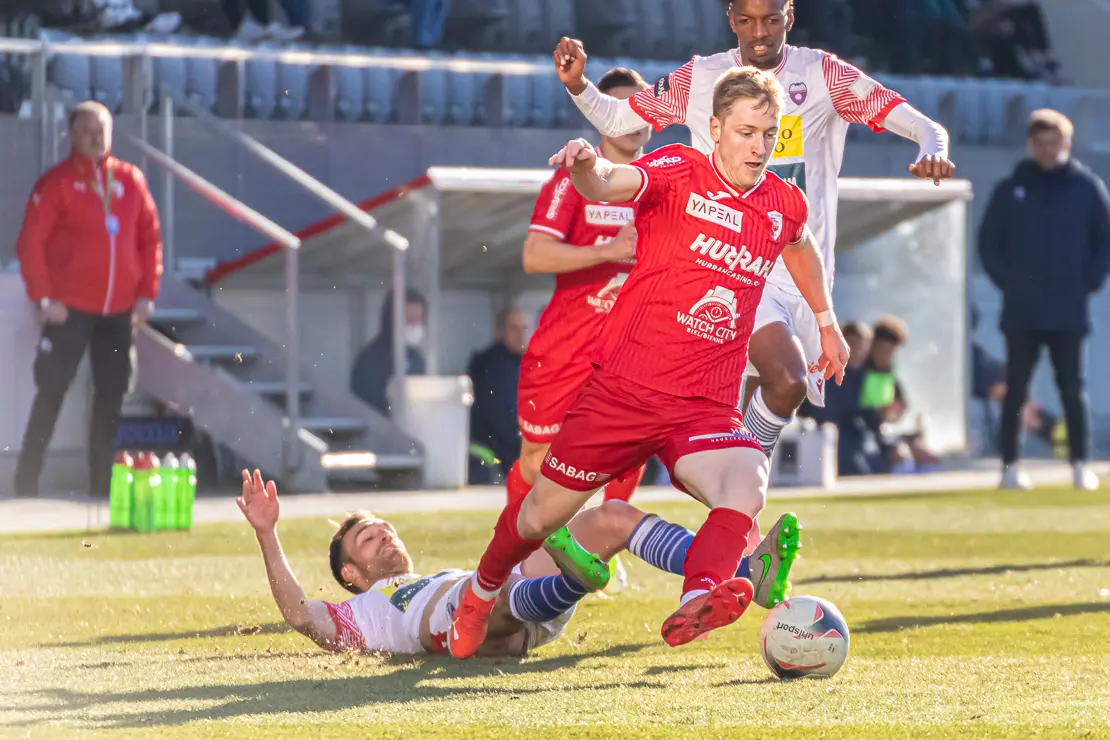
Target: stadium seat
<point>608,28</point>
<point>349,87</point>
<point>261,91</point>
<point>106,81</point>
<point>71,74</point>
<point>379,94</point>
<point>559,20</point>
<point>547,95</point>
<point>470,22</point>
<point>684,21</point>
<point>653,38</point>
<point>714,34</point>
<point>292,87</point>
<point>201,75</point>
<point>523,29</point>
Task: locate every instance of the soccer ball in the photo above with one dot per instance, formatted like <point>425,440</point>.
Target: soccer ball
<point>804,637</point>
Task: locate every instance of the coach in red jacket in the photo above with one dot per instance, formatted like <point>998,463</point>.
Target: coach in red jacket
<point>91,256</point>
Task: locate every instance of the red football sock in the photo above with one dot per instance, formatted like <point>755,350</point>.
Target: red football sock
<point>505,551</point>
<point>621,490</point>
<point>516,486</point>
<point>715,553</point>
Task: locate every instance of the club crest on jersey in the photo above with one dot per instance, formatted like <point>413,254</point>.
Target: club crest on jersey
<point>607,296</point>
<point>713,317</point>
<point>798,92</point>
<point>776,224</point>
<point>700,207</point>
<point>602,215</point>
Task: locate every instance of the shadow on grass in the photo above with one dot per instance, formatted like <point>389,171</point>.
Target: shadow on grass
<point>230,630</point>
<point>1046,611</point>
<point>407,683</point>
<point>956,572</point>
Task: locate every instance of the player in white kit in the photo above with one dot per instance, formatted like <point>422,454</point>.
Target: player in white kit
<point>825,94</point>
<point>394,609</point>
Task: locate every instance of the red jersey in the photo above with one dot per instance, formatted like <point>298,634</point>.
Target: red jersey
<point>570,322</point>
<point>686,314</point>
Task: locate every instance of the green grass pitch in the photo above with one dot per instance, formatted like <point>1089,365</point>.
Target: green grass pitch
<point>979,615</point>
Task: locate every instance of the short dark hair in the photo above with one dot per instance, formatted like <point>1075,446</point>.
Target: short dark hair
<point>1046,119</point>
<point>785,6</point>
<point>337,554</point>
<point>857,329</point>
<point>891,329</point>
<point>621,77</point>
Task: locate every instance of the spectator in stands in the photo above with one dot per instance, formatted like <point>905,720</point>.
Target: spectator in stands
<point>253,23</point>
<point>883,404</point>
<point>1013,34</point>
<point>1045,242</point>
<point>373,367</point>
<point>90,252</point>
<point>495,372</point>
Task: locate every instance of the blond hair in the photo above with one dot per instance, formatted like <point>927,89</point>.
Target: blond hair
<point>747,83</point>
<point>1046,119</point>
<point>93,108</point>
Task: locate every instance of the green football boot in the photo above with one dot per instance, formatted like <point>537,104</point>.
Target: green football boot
<point>575,561</point>
<point>772,559</point>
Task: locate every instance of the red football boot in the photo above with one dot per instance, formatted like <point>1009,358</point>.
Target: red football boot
<point>720,607</point>
<point>469,624</point>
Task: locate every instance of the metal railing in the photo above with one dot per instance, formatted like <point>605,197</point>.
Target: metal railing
<point>286,239</point>
<point>364,220</point>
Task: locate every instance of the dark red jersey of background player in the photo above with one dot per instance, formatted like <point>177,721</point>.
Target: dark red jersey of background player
<point>686,312</point>
<point>569,324</point>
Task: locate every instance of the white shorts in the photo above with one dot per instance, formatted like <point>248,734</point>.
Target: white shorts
<point>778,305</point>
<point>536,634</point>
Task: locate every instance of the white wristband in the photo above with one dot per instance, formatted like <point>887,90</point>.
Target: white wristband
<point>826,318</point>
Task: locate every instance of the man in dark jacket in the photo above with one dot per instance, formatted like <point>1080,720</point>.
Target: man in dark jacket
<point>373,367</point>
<point>495,373</point>
<point>1045,242</point>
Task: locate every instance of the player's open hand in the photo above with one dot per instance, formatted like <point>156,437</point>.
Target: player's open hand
<point>259,502</point>
<point>570,64</point>
<point>834,354</point>
<point>577,156</point>
<point>623,246</point>
<point>933,167</point>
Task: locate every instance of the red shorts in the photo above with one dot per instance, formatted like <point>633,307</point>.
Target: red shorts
<point>615,426</point>
<point>543,402</point>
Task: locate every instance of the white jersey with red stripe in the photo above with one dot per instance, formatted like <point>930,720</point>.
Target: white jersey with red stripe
<point>387,617</point>
<point>824,95</point>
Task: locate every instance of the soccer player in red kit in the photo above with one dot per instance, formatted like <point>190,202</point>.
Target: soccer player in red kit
<point>670,355</point>
<point>590,248</point>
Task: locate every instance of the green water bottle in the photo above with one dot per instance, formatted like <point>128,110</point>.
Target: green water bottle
<point>143,517</point>
<point>186,491</point>
<point>120,498</point>
<point>165,498</point>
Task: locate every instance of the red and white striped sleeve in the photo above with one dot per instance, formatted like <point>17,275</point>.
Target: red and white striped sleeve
<point>665,102</point>
<point>856,97</point>
<point>348,636</point>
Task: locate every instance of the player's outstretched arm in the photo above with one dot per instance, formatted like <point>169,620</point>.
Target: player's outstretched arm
<point>609,115</point>
<point>259,504</point>
<point>803,261</point>
<point>545,254</point>
<point>932,161</point>
<point>595,178</point>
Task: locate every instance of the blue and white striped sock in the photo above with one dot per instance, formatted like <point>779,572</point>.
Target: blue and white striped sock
<point>763,424</point>
<point>662,544</point>
<point>543,599</point>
